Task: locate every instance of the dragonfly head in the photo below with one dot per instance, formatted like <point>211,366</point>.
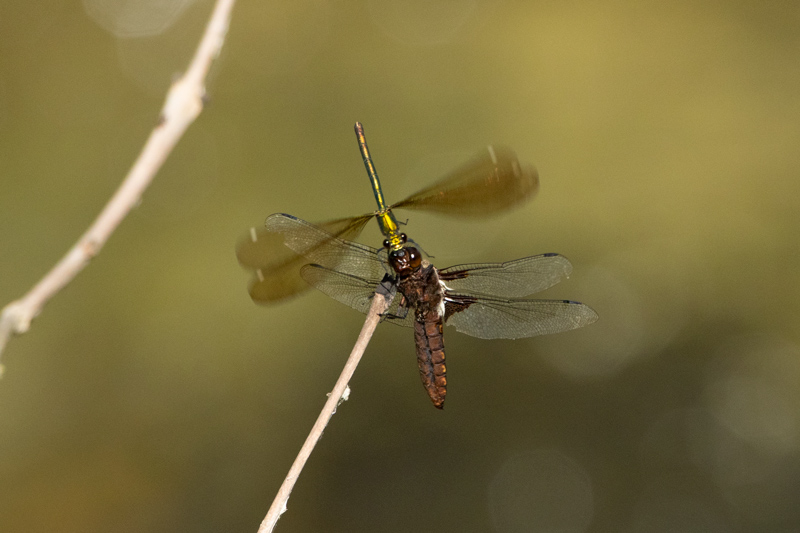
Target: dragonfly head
<point>405,261</point>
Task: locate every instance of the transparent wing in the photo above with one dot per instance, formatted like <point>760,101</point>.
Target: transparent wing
<point>495,318</point>
<point>354,291</point>
<point>262,248</point>
<point>277,267</point>
<point>492,182</point>
<point>323,248</point>
<point>319,245</point>
<point>520,277</point>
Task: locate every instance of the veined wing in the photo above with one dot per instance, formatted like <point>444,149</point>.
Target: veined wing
<point>276,267</point>
<point>319,246</point>
<point>262,248</point>
<point>354,291</point>
<point>520,277</point>
<point>496,318</point>
<point>492,182</point>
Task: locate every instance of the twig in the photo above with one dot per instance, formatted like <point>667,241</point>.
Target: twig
<point>278,507</point>
<point>183,104</point>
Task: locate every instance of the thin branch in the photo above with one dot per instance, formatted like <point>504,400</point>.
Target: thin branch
<point>183,104</point>
<point>379,305</point>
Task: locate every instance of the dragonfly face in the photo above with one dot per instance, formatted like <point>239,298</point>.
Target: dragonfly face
<point>485,300</point>
<point>405,261</point>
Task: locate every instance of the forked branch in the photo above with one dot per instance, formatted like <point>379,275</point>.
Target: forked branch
<point>183,104</point>
<point>380,303</point>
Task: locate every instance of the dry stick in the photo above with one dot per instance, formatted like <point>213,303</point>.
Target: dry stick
<point>278,507</point>
<point>183,104</point>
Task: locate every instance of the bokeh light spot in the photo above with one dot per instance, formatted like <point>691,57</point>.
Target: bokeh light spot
<point>541,490</point>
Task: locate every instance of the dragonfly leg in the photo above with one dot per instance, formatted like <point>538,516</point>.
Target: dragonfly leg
<point>402,310</point>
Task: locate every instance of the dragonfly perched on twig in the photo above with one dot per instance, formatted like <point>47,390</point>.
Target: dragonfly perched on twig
<point>483,300</point>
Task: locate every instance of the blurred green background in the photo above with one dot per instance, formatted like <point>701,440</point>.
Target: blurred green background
<point>153,395</point>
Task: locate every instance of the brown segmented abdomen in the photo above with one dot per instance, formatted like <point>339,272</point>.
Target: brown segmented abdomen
<point>430,358</point>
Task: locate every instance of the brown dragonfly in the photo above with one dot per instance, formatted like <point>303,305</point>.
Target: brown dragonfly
<point>483,300</point>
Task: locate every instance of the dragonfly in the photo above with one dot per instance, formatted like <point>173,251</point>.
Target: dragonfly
<point>484,300</point>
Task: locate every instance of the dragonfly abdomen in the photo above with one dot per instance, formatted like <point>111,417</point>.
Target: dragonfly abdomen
<point>430,358</point>
<point>423,292</point>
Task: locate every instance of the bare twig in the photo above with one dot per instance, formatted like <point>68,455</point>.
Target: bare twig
<point>183,104</point>
<point>278,507</point>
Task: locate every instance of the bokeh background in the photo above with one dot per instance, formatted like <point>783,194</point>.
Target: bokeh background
<point>153,395</point>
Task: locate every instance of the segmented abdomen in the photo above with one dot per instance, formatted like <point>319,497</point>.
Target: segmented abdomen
<point>430,358</point>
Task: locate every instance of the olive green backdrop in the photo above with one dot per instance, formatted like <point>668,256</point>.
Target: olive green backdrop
<point>153,395</point>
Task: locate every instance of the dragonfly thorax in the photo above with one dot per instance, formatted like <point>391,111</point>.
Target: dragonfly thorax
<point>405,261</point>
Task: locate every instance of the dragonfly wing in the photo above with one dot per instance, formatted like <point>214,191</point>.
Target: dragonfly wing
<point>512,279</point>
<point>315,242</point>
<point>277,267</point>
<point>326,249</point>
<point>264,248</point>
<point>495,318</point>
<point>278,283</point>
<point>260,249</point>
<point>354,291</point>
<point>492,182</point>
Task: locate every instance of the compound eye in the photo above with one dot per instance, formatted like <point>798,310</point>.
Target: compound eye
<point>386,243</point>
<point>414,257</point>
<point>403,238</point>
